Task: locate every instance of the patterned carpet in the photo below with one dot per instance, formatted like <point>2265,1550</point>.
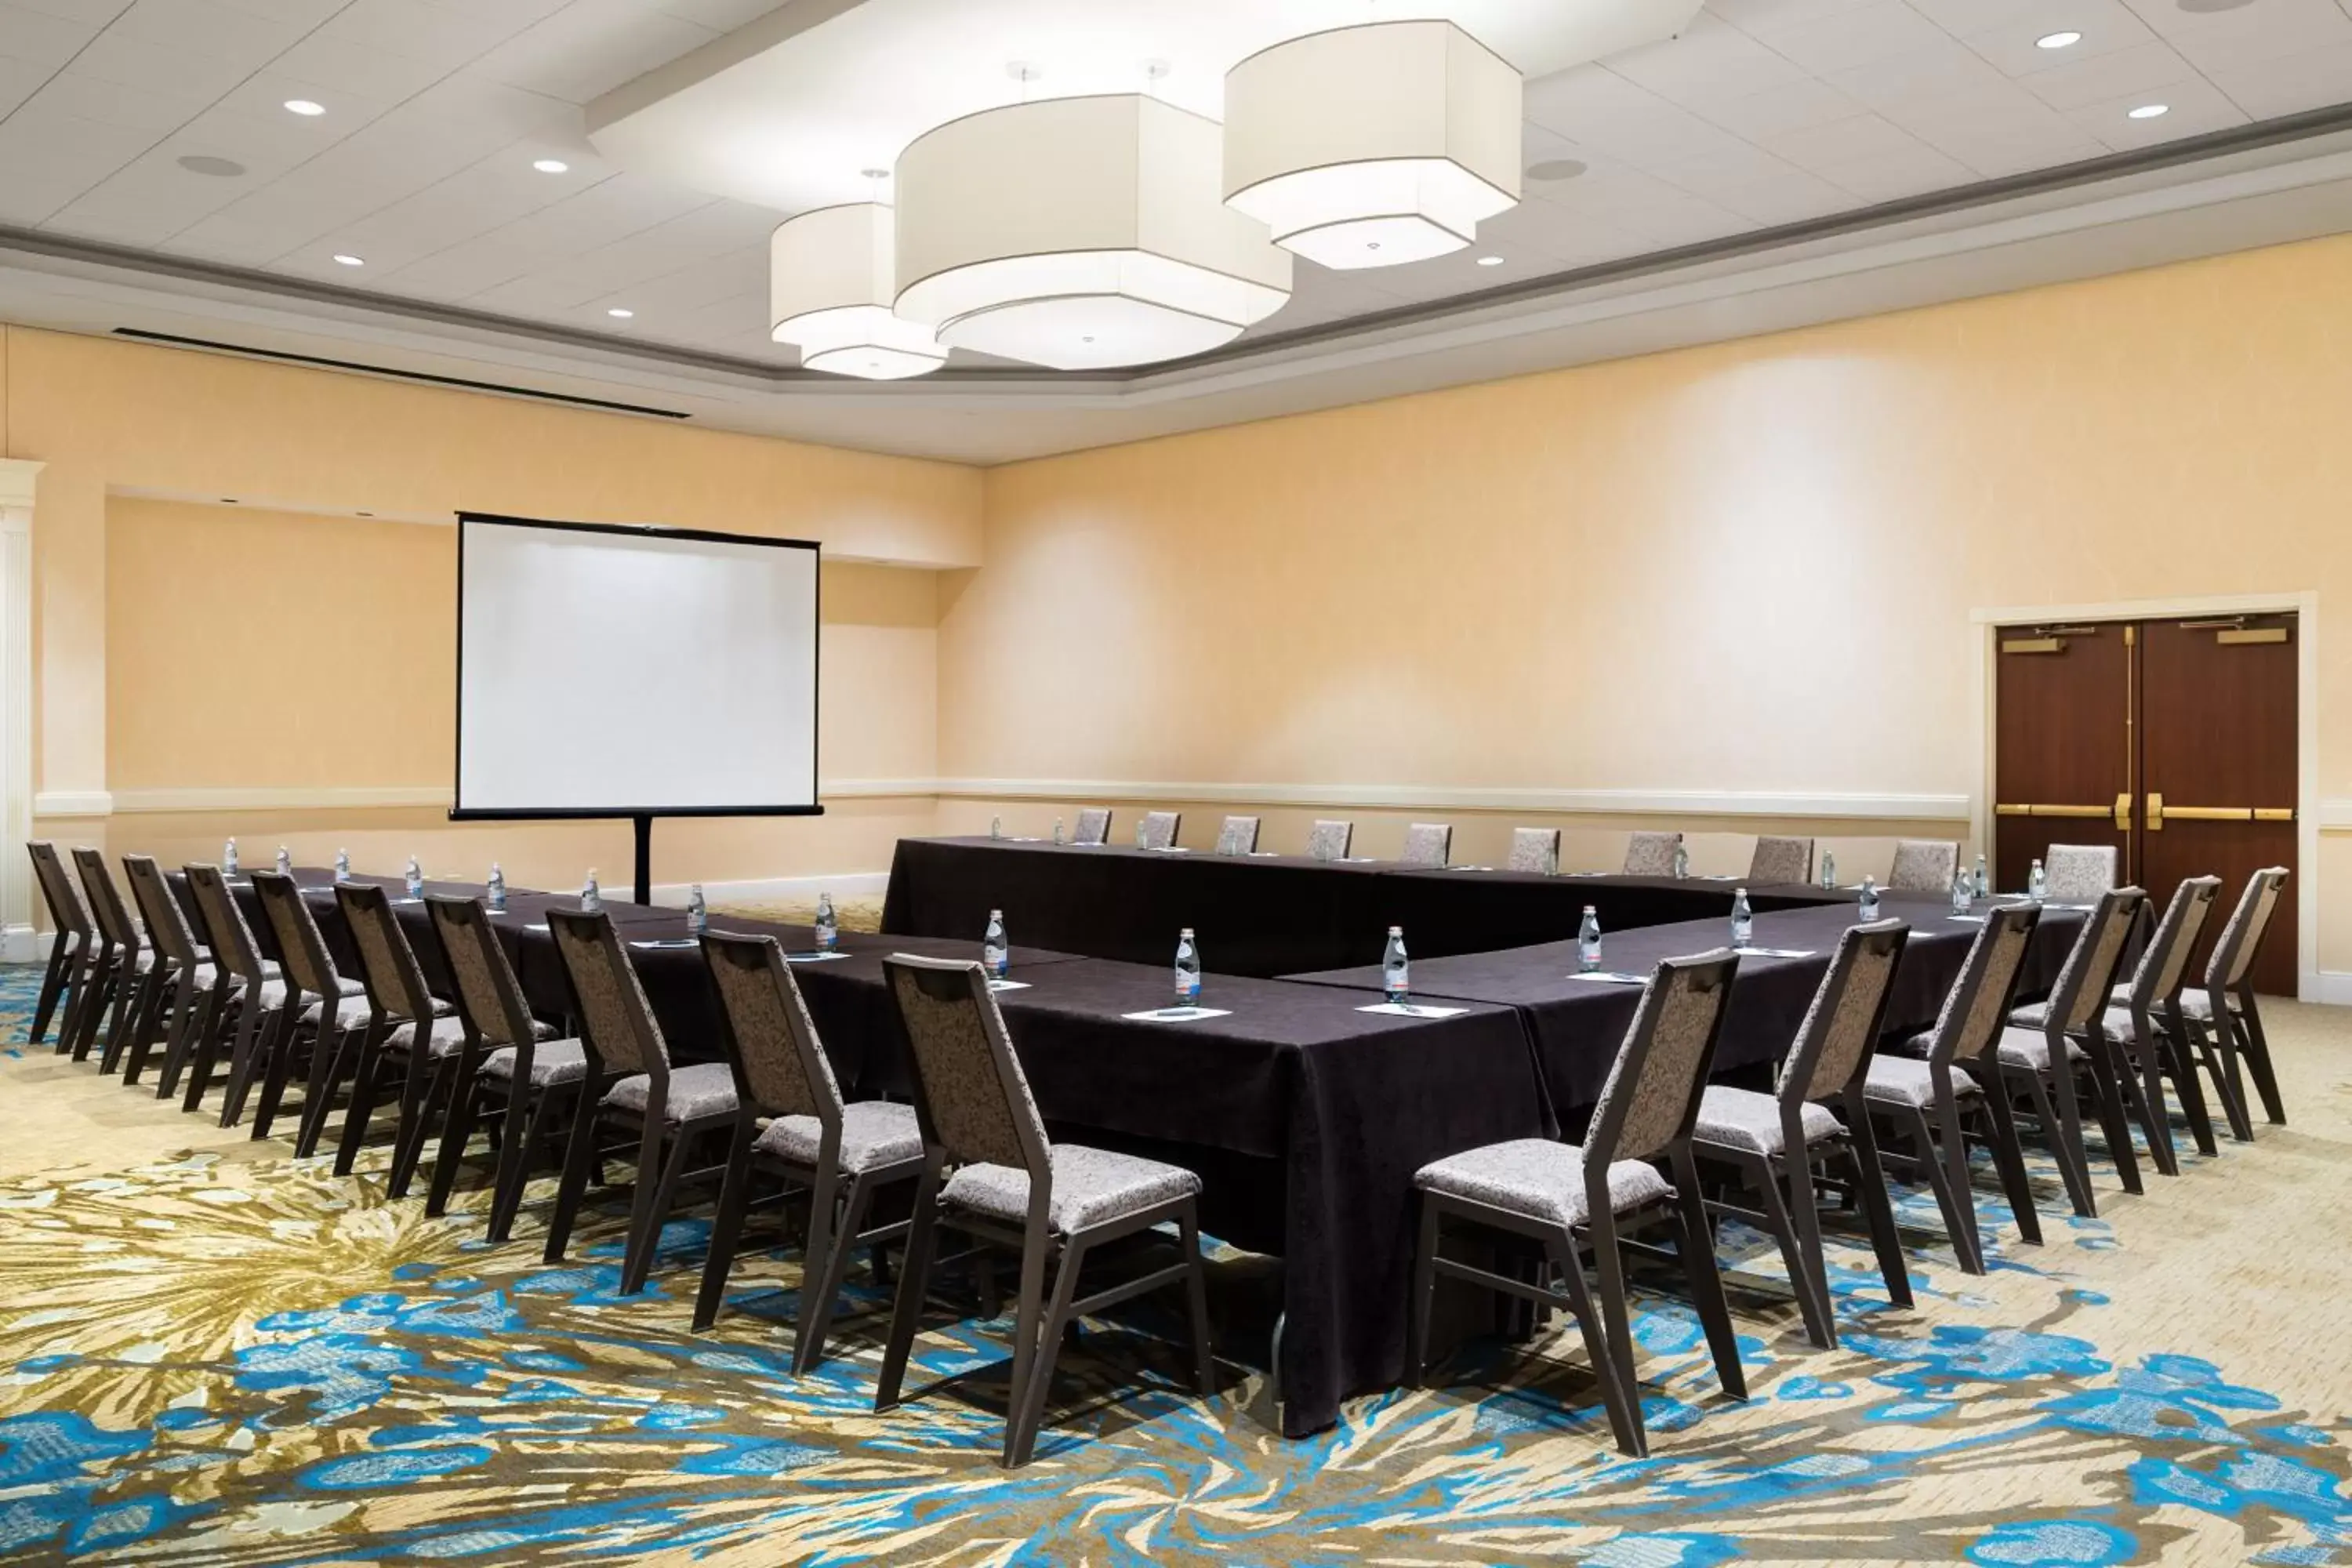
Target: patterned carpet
<point>213,1356</point>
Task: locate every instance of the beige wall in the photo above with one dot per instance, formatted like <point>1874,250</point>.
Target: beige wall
<point>1744,567</point>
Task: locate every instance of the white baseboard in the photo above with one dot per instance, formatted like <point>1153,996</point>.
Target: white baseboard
<point>772,889</point>
<point>2332,987</point>
<point>23,944</point>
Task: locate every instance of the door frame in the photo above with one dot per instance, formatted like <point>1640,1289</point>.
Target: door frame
<point>1985,626</point>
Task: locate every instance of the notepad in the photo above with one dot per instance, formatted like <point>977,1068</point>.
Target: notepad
<point>1776,951</point>
<point>1176,1014</point>
<point>667,942</point>
<point>1967,919</point>
<point>1611,977</point>
<point>1469,868</point>
<point>1002,985</point>
<point>540,926</point>
<point>813,957</point>
<point>1413,1010</point>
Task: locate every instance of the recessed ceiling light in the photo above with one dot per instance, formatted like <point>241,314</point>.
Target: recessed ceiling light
<point>204,164</point>
<point>1490,261</point>
<point>551,166</point>
<point>2150,110</point>
<point>2066,41</point>
<point>304,107</point>
<point>1555,169</point>
<point>347,259</point>
<point>620,313</point>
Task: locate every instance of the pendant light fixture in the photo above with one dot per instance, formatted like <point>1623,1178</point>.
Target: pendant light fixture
<point>1374,145</point>
<point>1079,234</point>
<point>830,279</point>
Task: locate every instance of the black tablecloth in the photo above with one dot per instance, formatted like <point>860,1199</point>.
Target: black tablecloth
<point>1577,1025</point>
<point>1270,914</point>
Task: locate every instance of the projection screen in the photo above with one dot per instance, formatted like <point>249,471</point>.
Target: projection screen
<point>610,671</point>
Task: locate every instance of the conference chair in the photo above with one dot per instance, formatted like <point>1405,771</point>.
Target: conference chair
<point>1428,844</point>
<point>2144,1018</point>
<point>1774,1142</point>
<point>1651,854</point>
<point>1330,840</point>
<point>1924,865</point>
<point>1094,825</point>
<point>1780,862</point>
<point>323,1006</point>
<point>2048,1049</point>
<point>255,988</point>
<point>1237,836</point>
<point>121,959</point>
<point>661,1113</point>
<point>413,1039</point>
<point>2220,1021</point>
<point>792,1122</point>
<point>1937,1096</point>
<point>2077,873</point>
<point>1579,1199</point>
<point>514,1077</point>
<point>1012,1188</point>
<point>71,945</point>
<point>179,980</point>
<point>1535,849</point>
<point>1157,829</point>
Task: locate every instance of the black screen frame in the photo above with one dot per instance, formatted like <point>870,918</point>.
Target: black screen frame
<point>460,811</point>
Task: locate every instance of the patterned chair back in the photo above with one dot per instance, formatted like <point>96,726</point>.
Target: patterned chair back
<point>67,912</point>
<point>1157,829</point>
<point>616,1022</point>
<point>1094,825</point>
<point>969,1092</point>
<point>1651,854</point>
<point>226,931</point>
<point>1330,840</point>
<point>2079,996</point>
<point>1652,1096</point>
<point>2078,873</point>
<point>167,923</point>
<point>1428,844</point>
<point>1780,862</point>
<point>1924,865</point>
<point>1238,836</point>
<point>488,996</point>
<point>388,966</point>
<point>114,923</point>
<point>301,949</point>
<point>771,1041</point>
<point>2243,937</point>
<point>2163,963</point>
<point>1976,1007</point>
<point>1841,1028</point>
<point>1535,849</point>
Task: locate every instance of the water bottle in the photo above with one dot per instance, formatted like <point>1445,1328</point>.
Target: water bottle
<point>1142,838</point>
<point>1588,941</point>
<point>698,914</point>
<point>995,949</point>
<point>498,889</point>
<point>1681,862</point>
<point>1743,922</point>
<point>285,861</point>
<point>1983,885</point>
<point>1963,892</point>
<point>1551,861</point>
<point>1396,970</point>
<point>1869,900</point>
<point>591,898</point>
<point>414,879</point>
<point>228,858</point>
<point>2037,883</point>
<point>1059,836</point>
<point>1187,970</point>
<point>828,926</point>
<point>342,865</point>
<point>1829,870</point>
<point>996,828</point>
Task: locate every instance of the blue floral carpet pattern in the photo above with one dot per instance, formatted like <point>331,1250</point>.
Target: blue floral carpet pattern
<point>218,1361</point>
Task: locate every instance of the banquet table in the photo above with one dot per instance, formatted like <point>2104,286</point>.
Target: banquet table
<point>1273,914</point>
<point>1575,1026</point>
<point>1305,1115</point>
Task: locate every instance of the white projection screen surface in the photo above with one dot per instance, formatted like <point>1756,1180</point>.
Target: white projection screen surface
<point>634,671</point>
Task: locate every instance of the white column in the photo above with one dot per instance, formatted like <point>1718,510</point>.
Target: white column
<point>16,936</point>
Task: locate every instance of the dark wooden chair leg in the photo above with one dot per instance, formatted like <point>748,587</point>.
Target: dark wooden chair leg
<point>456,1133</point>
<point>2255,1046</point>
<point>1944,1159</point>
<point>53,985</point>
<point>734,1198</point>
<point>1617,1324</point>
<point>814,1320</point>
<point>1196,1300</point>
<point>2009,1158</point>
<point>2114,1125</point>
<point>2061,1130</point>
<point>361,1111</point>
<point>1878,1207</point>
<point>580,1152</point>
<point>1424,1302</point>
<point>914,1280</point>
<point>277,1070</point>
<point>1818,1329</point>
<point>1616,1399</point>
<point>648,1215</point>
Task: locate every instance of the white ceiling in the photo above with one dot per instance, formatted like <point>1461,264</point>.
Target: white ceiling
<point>1762,113</point>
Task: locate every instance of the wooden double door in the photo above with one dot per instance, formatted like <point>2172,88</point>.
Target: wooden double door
<point>2174,741</point>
